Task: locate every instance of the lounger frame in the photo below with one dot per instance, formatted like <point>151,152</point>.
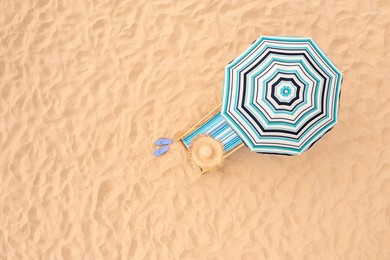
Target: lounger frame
<point>212,113</point>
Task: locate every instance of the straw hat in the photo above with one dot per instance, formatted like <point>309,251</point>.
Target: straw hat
<point>206,152</point>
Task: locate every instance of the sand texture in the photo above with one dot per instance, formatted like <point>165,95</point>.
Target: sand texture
<point>87,86</point>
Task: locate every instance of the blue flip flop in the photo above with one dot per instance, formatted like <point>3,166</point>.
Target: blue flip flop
<point>160,151</point>
<point>163,141</point>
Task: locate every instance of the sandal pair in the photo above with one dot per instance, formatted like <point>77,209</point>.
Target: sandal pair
<point>164,143</point>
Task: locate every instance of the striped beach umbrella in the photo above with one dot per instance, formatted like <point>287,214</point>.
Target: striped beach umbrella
<point>281,95</point>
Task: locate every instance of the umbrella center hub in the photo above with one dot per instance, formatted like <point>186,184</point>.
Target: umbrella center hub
<point>285,91</point>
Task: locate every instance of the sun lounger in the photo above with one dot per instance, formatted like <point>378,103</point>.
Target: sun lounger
<point>214,125</point>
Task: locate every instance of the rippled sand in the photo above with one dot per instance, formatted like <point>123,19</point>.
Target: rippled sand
<point>86,88</point>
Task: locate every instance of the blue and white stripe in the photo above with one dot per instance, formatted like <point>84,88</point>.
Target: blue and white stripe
<point>269,120</point>
<point>217,128</point>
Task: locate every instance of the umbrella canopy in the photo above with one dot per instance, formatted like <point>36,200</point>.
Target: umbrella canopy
<point>281,95</point>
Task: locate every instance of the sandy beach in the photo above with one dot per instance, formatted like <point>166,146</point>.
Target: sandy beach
<point>87,87</point>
